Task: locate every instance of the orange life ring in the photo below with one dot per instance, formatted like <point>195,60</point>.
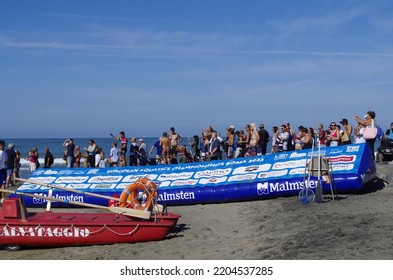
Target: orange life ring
<point>130,195</point>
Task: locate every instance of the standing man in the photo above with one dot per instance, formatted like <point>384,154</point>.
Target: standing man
<point>158,152</point>
<point>165,144</point>
<point>70,148</point>
<point>347,132</point>
<point>142,154</point>
<point>263,139</point>
<point>3,167</point>
<point>214,147</point>
<point>283,139</point>
<point>48,159</point>
<point>11,155</point>
<point>134,149</point>
<point>175,140</point>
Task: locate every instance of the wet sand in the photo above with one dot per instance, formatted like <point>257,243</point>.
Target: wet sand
<point>354,227</point>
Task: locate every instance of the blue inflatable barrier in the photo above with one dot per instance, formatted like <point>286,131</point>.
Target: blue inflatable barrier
<point>241,179</point>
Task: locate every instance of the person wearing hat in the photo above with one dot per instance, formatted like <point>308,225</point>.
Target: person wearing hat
<point>263,139</point>
<point>347,132</point>
<point>70,149</point>
<point>389,132</point>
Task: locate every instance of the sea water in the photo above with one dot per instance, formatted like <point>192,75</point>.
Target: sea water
<point>56,147</point>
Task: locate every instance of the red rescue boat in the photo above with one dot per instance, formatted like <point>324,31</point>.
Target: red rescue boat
<point>19,228</point>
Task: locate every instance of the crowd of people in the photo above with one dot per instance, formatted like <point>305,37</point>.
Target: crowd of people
<point>208,146</point>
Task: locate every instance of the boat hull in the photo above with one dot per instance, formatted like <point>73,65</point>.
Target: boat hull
<point>54,229</point>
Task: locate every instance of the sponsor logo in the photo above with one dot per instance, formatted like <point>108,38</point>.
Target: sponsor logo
<point>175,176</point>
<point>50,172</point>
<point>122,186</point>
<point>335,151</point>
<point>42,200</point>
<point>272,174</point>
<point>252,168</point>
<point>66,172</point>
<point>71,179</point>
<point>263,188</point>
<point>289,164</point>
<point>92,171</point>
<point>245,177</point>
<point>78,186</point>
<point>44,180</point>
<point>281,157</point>
<point>163,184</point>
<point>212,173</point>
<point>173,196</point>
<point>39,231</point>
<point>105,179</point>
<point>133,178</point>
<point>102,186</point>
<point>343,159</point>
<point>184,183</point>
<point>219,180</point>
<point>297,155</point>
<point>29,187</point>
<point>297,171</point>
<point>341,166</point>
<point>278,187</point>
<point>353,149</point>
<point>39,172</point>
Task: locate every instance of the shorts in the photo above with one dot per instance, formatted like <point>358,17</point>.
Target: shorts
<point>33,166</point>
<point>3,176</point>
<point>10,171</point>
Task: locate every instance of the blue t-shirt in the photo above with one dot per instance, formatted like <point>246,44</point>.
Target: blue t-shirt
<point>158,147</point>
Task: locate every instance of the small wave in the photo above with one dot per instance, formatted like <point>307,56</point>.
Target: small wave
<point>56,162</point>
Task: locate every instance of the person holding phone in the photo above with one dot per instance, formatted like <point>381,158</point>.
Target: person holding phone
<point>123,147</point>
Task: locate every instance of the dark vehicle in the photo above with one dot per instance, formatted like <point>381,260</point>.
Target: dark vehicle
<point>385,151</point>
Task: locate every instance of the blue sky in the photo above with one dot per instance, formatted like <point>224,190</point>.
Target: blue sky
<point>87,68</point>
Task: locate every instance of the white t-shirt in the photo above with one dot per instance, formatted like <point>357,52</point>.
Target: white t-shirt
<point>284,136</point>
<point>3,159</point>
<point>114,154</point>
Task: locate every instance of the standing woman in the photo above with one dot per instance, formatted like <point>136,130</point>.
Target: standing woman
<point>91,151</point>
<point>334,135</point>
<point>194,144</point>
<point>254,139</point>
<point>17,164</point>
<point>33,159</point>
<point>369,122</point>
<point>276,133</point>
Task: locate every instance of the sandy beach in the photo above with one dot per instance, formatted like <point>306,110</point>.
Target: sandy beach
<point>355,227</point>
